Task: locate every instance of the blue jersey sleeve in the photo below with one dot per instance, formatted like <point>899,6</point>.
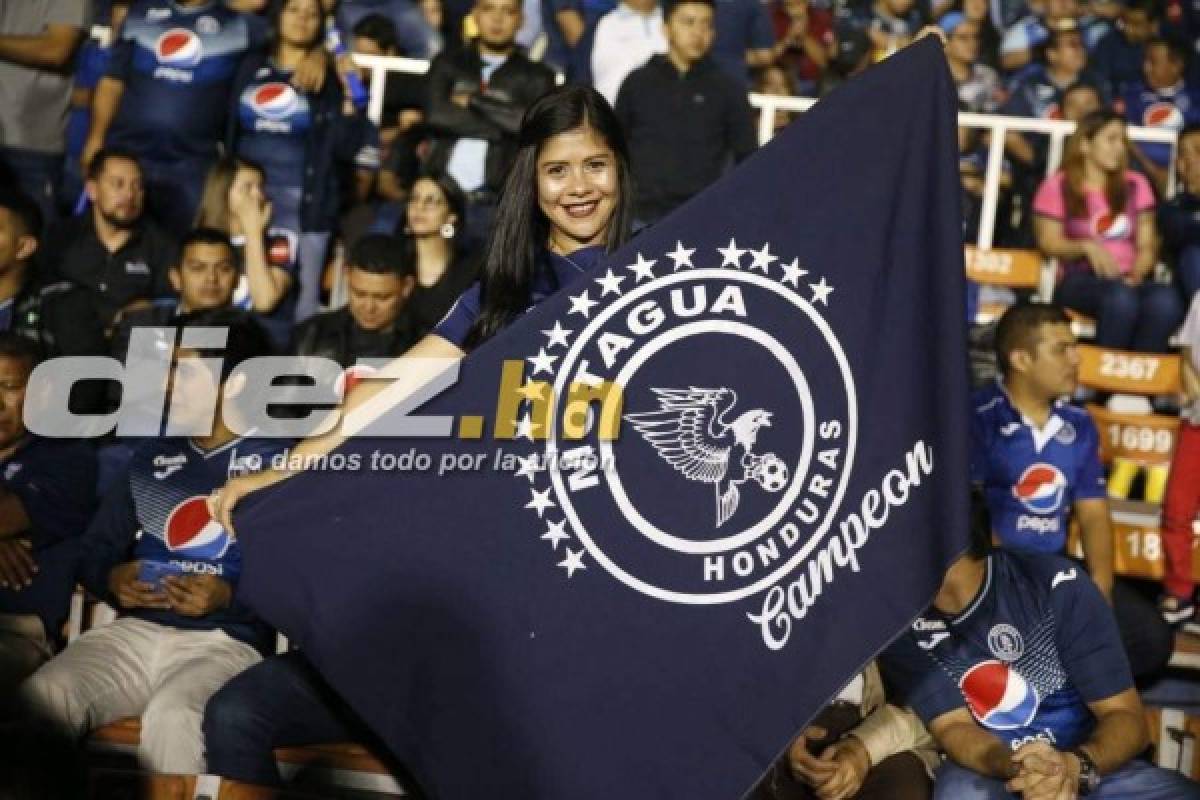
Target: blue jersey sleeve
<point>918,681</point>
<point>109,539</point>
<point>120,53</point>
<point>1089,480</point>
<point>457,323</point>
<point>978,449</point>
<point>56,486</point>
<point>1086,633</point>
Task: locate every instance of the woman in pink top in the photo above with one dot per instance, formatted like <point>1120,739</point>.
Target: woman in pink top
<point>1097,218</point>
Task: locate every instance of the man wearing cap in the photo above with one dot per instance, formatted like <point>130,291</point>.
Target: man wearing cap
<point>979,86</point>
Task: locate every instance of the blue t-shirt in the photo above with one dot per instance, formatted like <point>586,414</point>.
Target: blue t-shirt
<point>55,480</point>
<point>158,514</point>
<point>1167,109</point>
<point>273,124</point>
<point>741,25</point>
<point>178,66</point>
<point>1032,477</point>
<point>554,273</point>
<point>1035,646</point>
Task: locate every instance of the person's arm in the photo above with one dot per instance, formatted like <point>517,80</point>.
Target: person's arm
<point>1019,148</point>
<point>366,402</point>
<point>1054,243</point>
<point>53,49</point>
<point>1096,535</point>
<point>13,518</point>
<point>740,135</point>
<point>247,6</point>
<point>1191,379</point>
<point>761,46</point>
<point>105,101</point>
<point>1147,247</point>
<point>1177,226</point>
<point>1120,732</point>
<point>449,112</point>
<point>889,730</point>
<point>267,284</point>
<point>106,542</point>
<point>970,746</point>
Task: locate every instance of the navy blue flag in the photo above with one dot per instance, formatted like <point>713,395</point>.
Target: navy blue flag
<point>657,614</point>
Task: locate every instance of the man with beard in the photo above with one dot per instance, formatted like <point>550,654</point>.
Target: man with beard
<point>114,251</point>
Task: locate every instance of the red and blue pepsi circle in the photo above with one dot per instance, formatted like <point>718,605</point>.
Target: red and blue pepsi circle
<point>192,532</point>
<point>999,696</point>
<point>1163,115</point>
<point>179,47</point>
<point>1041,488</point>
<point>275,100</point>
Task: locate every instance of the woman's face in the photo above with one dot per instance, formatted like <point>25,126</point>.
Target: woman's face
<point>247,185</point>
<point>1107,146</point>
<point>299,22</point>
<point>577,188</point>
<point>427,209</point>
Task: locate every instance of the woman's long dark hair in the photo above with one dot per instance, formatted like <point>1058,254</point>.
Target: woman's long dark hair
<point>520,229</point>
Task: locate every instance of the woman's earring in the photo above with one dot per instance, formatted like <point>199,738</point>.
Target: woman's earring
<point>447,230</point>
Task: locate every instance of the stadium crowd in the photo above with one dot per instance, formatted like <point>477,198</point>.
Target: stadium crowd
<point>208,163</point>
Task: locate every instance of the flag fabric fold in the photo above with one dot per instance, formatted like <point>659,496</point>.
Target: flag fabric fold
<point>570,614</point>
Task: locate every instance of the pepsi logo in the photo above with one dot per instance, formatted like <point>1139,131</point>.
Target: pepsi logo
<point>192,532</point>
<point>1041,488</point>
<point>1163,115</point>
<point>998,696</point>
<point>279,251</point>
<point>274,100</point>
<point>1111,226</point>
<point>179,47</point>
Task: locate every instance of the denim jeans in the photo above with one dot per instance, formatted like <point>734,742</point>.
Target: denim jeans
<point>280,702</point>
<point>1187,272</point>
<point>1140,318</point>
<point>1137,780</point>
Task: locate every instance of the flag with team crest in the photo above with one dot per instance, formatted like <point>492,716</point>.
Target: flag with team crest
<point>683,501</point>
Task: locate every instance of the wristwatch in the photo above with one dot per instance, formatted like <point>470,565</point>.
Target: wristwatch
<point>1089,776</point>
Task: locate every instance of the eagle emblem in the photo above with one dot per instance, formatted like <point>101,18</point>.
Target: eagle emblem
<point>698,433</point>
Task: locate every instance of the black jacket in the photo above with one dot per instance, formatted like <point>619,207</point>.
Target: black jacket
<point>336,336</point>
<point>494,111</point>
<point>1179,224</point>
<point>682,130</point>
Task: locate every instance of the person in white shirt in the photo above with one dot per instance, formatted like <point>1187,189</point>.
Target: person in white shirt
<point>626,37</point>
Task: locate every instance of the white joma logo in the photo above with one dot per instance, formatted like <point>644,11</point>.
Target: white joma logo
<point>1063,576</point>
<point>934,641</point>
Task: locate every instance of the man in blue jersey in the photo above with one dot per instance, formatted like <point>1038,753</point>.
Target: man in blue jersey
<point>47,496</point>
<point>1037,459</point>
<point>166,96</point>
<point>1162,99</point>
<point>1018,671</point>
<point>154,552</point>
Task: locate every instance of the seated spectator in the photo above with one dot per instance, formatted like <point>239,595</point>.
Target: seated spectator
<point>1162,100</point>
<point>445,266</point>
<point>413,32</point>
<point>851,57</point>
<point>171,114</point>
<point>114,250</point>
<point>1038,92</point>
<point>1117,59</point>
<point>58,317</point>
<point>978,11</point>
<point>889,24</point>
<point>235,204</point>
<point>625,39</point>
<point>860,746</point>
<point>1179,218</point>
<point>804,42</point>
<point>204,279</point>
<point>477,96</point>
<point>1181,503</point>
<point>303,140</point>
<point>1020,44</point>
<point>1017,670</point>
<point>1097,218</point>
<point>683,117</point>
<point>374,323</point>
<point>402,128</point>
<point>775,80</point>
<point>37,49</point>
<point>47,496</point>
<point>744,38</point>
<point>153,552</point>
<point>979,86</point>
<point>1025,438</point>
